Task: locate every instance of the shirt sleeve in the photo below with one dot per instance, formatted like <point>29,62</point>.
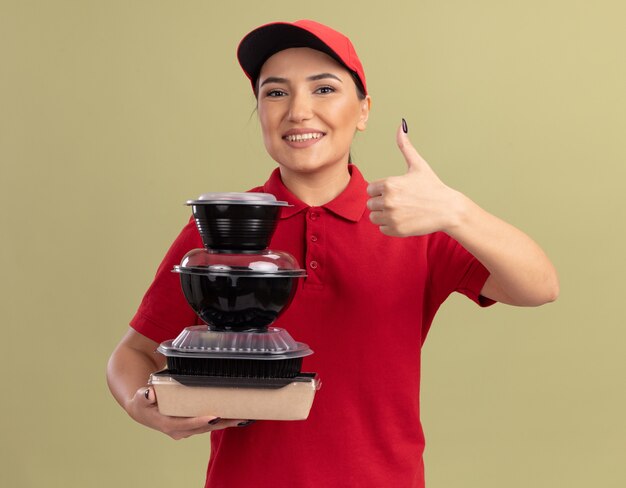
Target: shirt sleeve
<point>163,311</point>
<point>453,268</point>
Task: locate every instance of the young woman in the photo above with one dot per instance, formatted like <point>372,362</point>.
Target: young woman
<point>381,258</point>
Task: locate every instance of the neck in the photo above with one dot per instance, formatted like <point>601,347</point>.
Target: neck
<point>319,188</point>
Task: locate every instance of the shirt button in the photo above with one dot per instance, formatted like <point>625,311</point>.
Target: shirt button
<point>313,238</point>
<point>313,264</point>
<point>314,215</point>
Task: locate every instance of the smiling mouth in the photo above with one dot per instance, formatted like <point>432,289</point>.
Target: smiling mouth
<point>303,137</point>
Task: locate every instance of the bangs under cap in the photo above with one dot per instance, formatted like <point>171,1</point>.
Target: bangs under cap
<point>265,41</point>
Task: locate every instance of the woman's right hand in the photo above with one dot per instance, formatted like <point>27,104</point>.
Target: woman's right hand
<point>130,365</point>
<point>143,409</point>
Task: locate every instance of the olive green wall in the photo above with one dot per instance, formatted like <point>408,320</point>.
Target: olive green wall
<point>113,113</point>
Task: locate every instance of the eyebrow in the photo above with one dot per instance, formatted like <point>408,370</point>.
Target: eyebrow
<point>321,76</point>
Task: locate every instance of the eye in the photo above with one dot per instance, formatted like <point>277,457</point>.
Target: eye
<point>322,90</point>
<point>275,93</point>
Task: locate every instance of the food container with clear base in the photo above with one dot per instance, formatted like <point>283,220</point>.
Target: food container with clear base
<point>197,350</point>
<point>238,291</point>
<point>229,374</point>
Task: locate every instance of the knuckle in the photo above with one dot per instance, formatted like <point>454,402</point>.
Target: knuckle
<point>387,231</point>
<point>403,229</point>
<point>396,181</point>
<point>388,185</point>
<point>390,201</point>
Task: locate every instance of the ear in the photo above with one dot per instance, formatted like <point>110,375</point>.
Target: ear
<point>366,105</point>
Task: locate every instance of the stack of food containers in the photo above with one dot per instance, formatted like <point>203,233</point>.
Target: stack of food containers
<point>236,366</point>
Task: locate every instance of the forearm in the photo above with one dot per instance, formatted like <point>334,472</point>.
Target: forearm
<point>419,203</point>
<point>130,367</point>
<point>521,273</point>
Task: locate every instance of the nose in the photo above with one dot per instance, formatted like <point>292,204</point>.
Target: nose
<point>300,107</point>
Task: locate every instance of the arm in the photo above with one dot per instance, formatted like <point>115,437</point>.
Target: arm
<point>128,371</point>
<point>418,203</point>
<point>520,272</point>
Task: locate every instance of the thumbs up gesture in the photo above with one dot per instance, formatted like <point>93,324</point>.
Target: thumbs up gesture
<point>416,203</point>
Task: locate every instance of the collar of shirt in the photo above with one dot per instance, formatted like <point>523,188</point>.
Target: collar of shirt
<point>350,204</point>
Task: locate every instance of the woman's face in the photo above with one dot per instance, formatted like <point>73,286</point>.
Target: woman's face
<point>309,110</point>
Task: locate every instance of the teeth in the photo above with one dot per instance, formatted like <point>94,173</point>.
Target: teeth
<point>303,137</point>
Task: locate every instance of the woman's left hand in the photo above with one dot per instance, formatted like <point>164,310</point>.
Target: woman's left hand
<point>416,203</point>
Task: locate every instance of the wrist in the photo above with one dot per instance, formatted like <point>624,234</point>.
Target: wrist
<point>133,404</point>
<point>459,211</point>
<point>129,407</point>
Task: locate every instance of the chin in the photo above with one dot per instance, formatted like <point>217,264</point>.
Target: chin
<point>308,168</point>
<point>311,165</point>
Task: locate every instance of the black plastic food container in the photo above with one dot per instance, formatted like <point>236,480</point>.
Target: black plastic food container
<point>232,301</point>
<point>198,351</point>
<point>236,222</point>
<point>243,291</point>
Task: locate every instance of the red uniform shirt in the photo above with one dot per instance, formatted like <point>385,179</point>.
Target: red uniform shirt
<point>365,309</point>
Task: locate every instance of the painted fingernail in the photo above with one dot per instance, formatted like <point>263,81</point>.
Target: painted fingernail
<point>147,393</point>
<point>405,128</point>
<point>215,420</point>
<point>247,422</point>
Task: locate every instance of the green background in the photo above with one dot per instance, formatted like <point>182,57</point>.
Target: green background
<point>113,113</point>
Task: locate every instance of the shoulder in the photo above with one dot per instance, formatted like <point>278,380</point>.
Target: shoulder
<point>187,239</point>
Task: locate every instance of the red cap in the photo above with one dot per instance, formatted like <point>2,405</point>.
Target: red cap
<point>263,42</point>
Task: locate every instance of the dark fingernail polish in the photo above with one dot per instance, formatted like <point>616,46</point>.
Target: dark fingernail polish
<point>405,128</point>
<point>147,393</point>
<point>214,421</point>
<point>247,422</point>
